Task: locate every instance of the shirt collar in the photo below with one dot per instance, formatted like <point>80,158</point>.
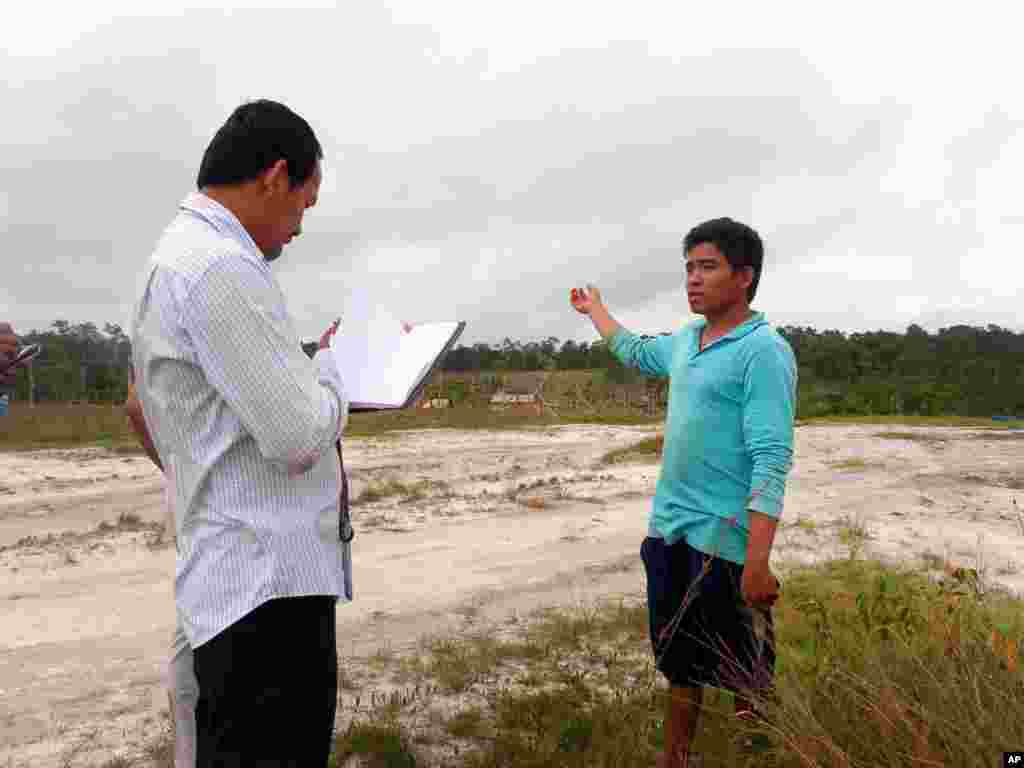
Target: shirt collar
<point>223,221</point>
<point>755,320</point>
<point>741,330</point>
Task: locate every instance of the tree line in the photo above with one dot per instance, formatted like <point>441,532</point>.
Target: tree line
<point>960,370</point>
<point>77,362</point>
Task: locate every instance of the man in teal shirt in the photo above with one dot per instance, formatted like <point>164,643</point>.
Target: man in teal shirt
<point>728,450</point>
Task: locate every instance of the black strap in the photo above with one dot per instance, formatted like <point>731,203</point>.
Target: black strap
<point>345,530</point>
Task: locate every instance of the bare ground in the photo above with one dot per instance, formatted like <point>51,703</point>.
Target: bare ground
<point>456,530</point>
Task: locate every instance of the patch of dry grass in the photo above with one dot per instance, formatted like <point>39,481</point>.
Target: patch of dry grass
<point>912,421</point>
<point>854,464</point>
<point>384,489</point>
<point>51,425</point>
<point>468,723</point>
<point>854,535</point>
<point>919,436</point>
<point>382,744</point>
<point>456,664</point>
<point>482,417</point>
<point>160,751</point>
<point>924,436</point>
<point>876,667</point>
<point>650,449</point>
<point>805,524</point>
<point>126,522</point>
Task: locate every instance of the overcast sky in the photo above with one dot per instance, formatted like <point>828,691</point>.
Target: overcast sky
<point>482,158</point>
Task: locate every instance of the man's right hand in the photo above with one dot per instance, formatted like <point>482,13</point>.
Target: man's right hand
<point>588,302</point>
<point>8,349</point>
<point>325,340</point>
<point>585,300</point>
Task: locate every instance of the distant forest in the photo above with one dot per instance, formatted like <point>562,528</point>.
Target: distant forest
<point>961,370</point>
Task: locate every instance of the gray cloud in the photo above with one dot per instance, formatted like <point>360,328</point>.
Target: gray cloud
<point>454,188</point>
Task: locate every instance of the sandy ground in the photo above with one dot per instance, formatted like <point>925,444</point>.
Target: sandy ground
<point>504,523</point>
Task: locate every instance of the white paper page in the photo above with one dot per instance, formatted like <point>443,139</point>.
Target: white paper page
<point>417,350</point>
<point>379,363</point>
<point>363,357</point>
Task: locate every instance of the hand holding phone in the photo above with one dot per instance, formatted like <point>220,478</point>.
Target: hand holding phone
<point>23,355</point>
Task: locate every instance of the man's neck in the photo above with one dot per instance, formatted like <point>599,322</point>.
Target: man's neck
<point>235,201</point>
<point>721,324</point>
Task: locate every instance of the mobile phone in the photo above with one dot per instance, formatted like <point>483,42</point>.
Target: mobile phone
<point>25,353</point>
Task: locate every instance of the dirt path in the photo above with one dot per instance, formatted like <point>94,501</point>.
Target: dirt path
<point>479,525</point>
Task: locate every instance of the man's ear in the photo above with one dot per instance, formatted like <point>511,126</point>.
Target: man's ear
<point>747,276</point>
<point>275,178</point>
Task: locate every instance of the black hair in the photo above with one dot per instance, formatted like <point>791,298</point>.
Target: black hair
<point>255,136</point>
<point>739,244</point>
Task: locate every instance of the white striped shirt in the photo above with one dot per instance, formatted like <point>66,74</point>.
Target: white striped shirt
<point>243,420</point>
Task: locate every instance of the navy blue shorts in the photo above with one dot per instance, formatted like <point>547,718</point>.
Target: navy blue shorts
<point>715,639</point>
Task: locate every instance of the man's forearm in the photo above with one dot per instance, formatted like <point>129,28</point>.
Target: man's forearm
<point>762,535</point>
<point>133,409</point>
<point>605,324</point>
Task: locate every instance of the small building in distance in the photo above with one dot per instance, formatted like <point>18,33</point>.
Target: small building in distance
<point>435,402</point>
<point>520,388</point>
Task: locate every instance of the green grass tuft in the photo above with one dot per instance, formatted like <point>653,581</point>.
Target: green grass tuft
<point>379,744</point>
<point>650,449</point>
<point>876,667</point>
<point>385,489</point>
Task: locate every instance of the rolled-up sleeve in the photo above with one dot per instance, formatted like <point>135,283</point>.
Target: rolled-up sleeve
<point>651,354</point>
<point>768,411</point>
<point>294,408</point>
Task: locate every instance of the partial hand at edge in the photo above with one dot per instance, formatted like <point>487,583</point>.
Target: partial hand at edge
<point>8,349</point>
<point>325,340</point>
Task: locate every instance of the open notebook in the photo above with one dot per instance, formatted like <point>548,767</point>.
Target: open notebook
<point>384,366</point>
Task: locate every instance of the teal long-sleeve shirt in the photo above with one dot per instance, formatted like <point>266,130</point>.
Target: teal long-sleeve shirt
<point>728,433</point>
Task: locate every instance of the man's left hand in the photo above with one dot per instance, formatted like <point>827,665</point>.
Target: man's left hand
<point>759,585</point>
<point>325,340</point>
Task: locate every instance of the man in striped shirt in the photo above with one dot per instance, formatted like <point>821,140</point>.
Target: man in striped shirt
<point>246,426</point>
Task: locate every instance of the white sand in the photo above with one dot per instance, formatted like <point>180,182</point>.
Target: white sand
<point>86,617</point>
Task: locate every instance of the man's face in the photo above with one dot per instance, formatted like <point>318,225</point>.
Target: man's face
<point>712,286</point>
<point>285,207</point>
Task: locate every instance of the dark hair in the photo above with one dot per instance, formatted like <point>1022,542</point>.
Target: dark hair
<point>256,136</point>
<point>739,244</point>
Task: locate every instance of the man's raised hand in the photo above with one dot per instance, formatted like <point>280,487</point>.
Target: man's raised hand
<point>584,300</point>
<point>587,301</point>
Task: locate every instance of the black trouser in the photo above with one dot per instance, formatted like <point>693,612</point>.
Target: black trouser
<point>719,640</point>
<point>268,688</point>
